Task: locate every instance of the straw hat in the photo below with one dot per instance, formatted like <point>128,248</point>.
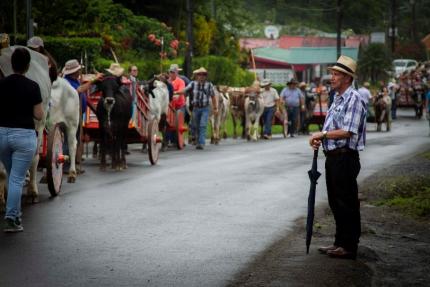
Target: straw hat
<point>115,69</point>
<point>174,68</point>
<point>345,65</point>
<point>302,84</point>
<point>35,42</point>
<point>366,85</point>
<point>200,70</point>
<point>71,66</point>
<point>265,83</point>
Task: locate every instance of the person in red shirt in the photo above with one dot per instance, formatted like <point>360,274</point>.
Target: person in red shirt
<point>178,101</point>
<point>178,84</point>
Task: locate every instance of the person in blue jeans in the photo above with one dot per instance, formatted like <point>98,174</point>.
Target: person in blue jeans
<point>21,103</point>
<point>202,91</point>
<point>271,100</point>
<point>291,97</point>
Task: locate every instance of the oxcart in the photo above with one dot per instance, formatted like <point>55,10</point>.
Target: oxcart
<point>176,125</point>
<point>319,110</point>
<point>142,128</point>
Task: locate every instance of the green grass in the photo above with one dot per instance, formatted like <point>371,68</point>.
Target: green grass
<point>410,195</point>
<point>417,205</point>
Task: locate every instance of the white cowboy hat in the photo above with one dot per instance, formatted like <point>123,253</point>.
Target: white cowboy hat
<point>345,65</point>
<point>265,83</point>
<point>35,42</point>
<point>200,70</point>
<point>115,69</point>
<point>71,66</point>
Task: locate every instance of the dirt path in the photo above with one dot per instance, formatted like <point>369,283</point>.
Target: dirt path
<point>394,247</point>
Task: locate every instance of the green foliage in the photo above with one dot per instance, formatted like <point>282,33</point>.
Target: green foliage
<point>203,34</point>
<point>374,62</point>
<point>224,71</point>
<point>409,195</point>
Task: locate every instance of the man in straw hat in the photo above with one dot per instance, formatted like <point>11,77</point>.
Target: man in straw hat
<point>72,74</point>
<point>291,96</point>
<point>203,92</point>
<point>271,100</point>
<point>343,135</point>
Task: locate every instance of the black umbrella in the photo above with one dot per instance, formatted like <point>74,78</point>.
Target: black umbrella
<point>313,176</point>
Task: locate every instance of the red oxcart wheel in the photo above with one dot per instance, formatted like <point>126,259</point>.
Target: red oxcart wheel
<point>55,158</point>
<point>180,129</point>
<point>154,141</point>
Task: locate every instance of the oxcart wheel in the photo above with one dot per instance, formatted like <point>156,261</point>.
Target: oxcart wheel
<point>55,158</point>
<point>154,141</point>
<point>180,128</point>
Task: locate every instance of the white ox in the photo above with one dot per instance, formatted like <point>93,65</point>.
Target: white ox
<point>37,72</point>
<point>217,122</point>
<point>159,100</point>
<point>254,107</point>
<point>64,107</point>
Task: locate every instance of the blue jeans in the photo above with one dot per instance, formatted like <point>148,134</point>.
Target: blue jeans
<point>267,120</point>
<point>17,149</point>
<point>292,119</point>
<point>200,117</point>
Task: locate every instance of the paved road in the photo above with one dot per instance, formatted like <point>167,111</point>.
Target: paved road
<point>195,219</point>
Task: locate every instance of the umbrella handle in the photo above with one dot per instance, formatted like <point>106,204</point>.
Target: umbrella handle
<point>316,153</point>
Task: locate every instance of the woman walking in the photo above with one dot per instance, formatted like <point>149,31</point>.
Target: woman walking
<point>21,103</point>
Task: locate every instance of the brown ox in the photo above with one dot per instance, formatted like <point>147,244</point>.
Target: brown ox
<point>237,109</point>
<point>382,106</point>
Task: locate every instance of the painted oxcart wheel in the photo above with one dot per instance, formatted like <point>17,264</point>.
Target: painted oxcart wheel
<point>154,141</point>
<point>180,129</point>
<point>55,158</point>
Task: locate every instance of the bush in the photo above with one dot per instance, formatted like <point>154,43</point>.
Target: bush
<point>224,71</point>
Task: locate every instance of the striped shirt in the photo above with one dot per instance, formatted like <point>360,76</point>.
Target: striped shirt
<point>348,113</point>
<point>202,92</point>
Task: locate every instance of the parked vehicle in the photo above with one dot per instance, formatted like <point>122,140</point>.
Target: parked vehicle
<point>402,65</point>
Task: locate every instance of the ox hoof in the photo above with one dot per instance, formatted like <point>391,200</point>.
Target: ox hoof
<point>32,198</point>
<point>43,180</point>
<point>71,179</point>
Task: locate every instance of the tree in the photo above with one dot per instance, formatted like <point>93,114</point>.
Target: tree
<point>374,63</point>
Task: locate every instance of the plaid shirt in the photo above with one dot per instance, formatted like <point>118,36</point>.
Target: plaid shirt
<point>348,113</point>
<point>201,93</point>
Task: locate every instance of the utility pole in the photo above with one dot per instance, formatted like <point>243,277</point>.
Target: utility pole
<point>392,33</point>
<point>14,22</point>
<point>29,20</point>
<point>414,26</point>
<point>190,39</point>
<point>339,27</point>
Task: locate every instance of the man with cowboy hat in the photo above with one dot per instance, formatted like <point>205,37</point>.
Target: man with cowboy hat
<point>291,96</point>
<point>271,100</point>
<point>203,92</point>
<point>72,74</point>
<point>343,135</point>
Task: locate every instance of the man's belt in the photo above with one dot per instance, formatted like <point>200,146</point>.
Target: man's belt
<point>340,151</point>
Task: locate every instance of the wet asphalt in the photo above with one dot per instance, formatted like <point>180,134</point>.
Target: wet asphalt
<point>194,219</point>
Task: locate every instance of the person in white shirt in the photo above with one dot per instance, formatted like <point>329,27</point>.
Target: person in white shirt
<point>365,93</point>
<point>271,100</point>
